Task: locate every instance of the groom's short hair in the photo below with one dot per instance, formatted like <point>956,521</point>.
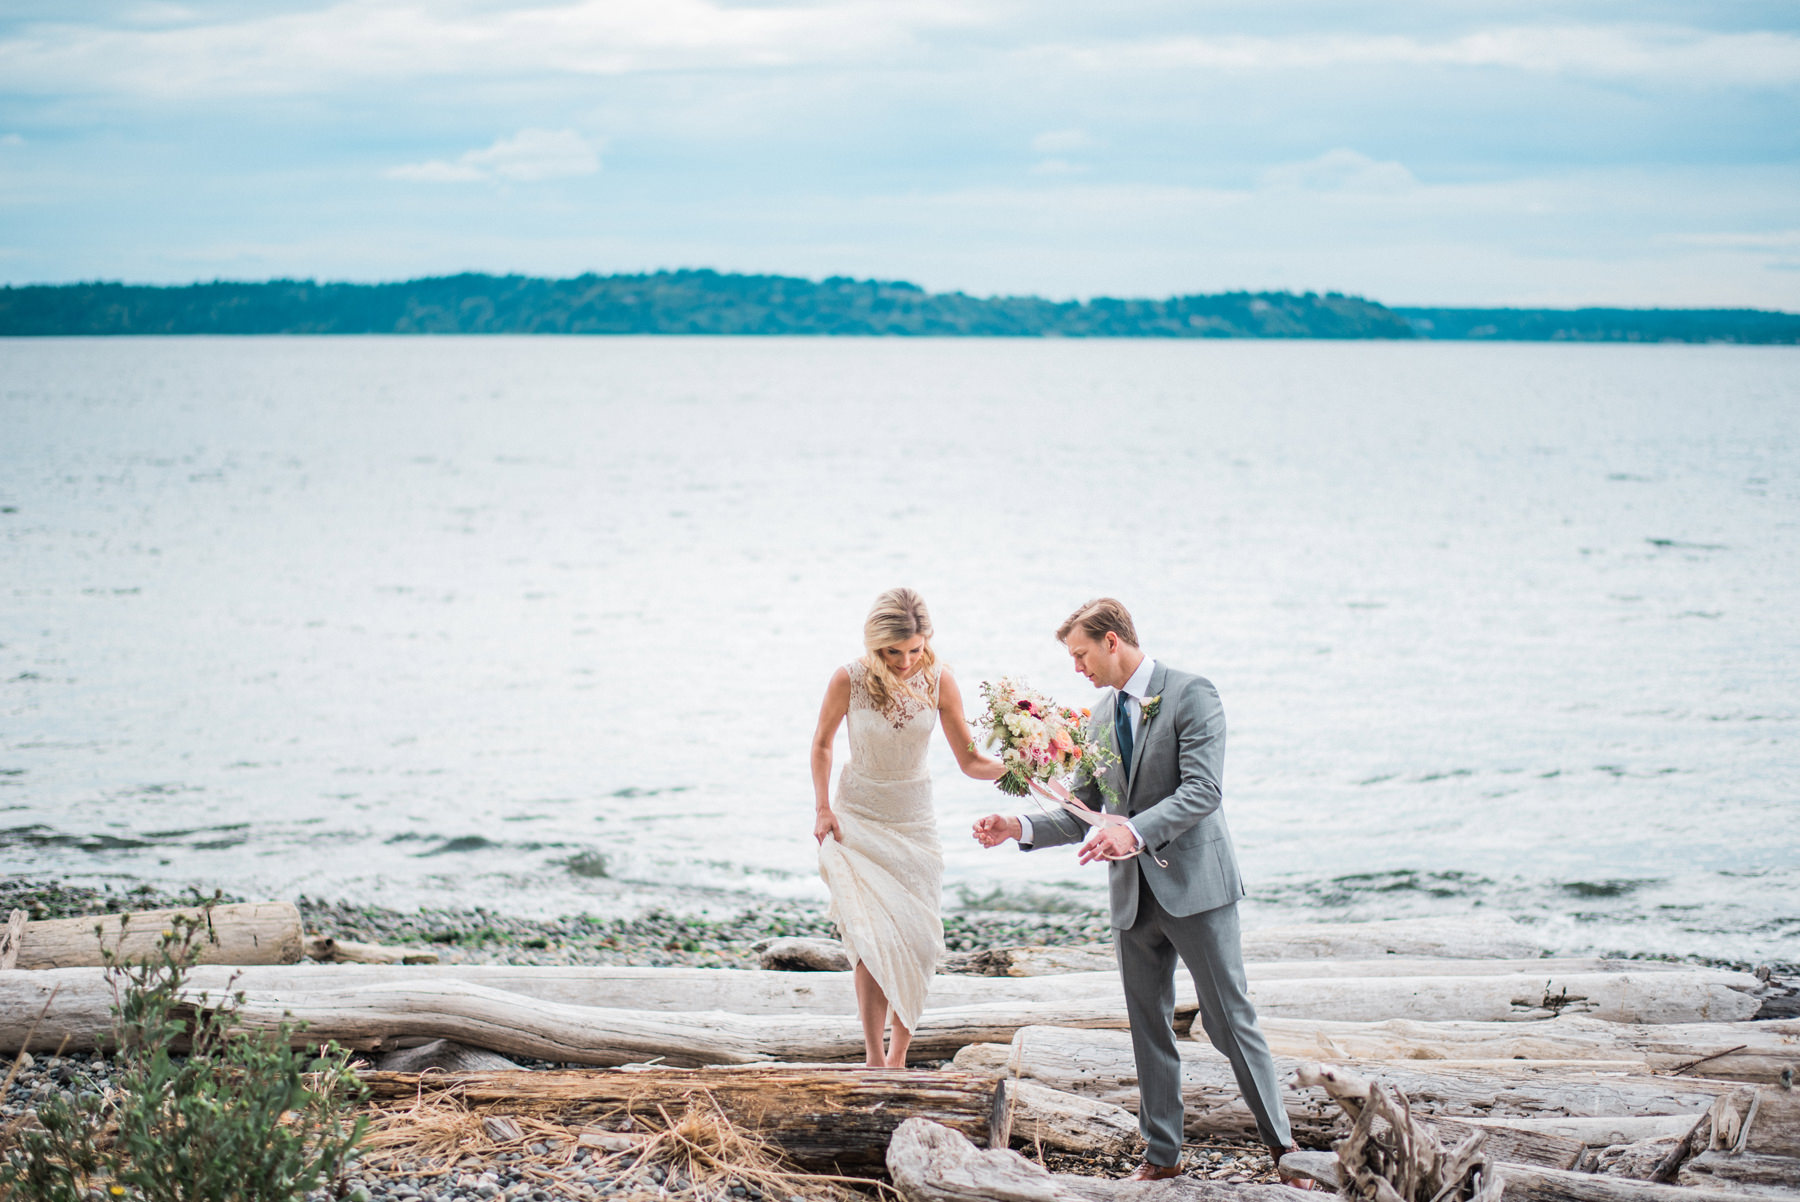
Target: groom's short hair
<point>1098,617</point>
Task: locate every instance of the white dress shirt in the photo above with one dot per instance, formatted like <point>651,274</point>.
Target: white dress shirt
<point>1131,696</point>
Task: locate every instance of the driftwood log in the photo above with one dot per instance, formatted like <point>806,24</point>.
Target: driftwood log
<point>804,955</point>
<point>1067,1122</point>
<point>820,1117</point>
<point>1605,1131</point>
<point>83,994</point>
<point>1744,1051</point>
<point>1033,961</point>
<point>1765,1121</point>
<point>1656,996</point>
<point>1528,1183</point>
<point>994,1059</point>
<point>239,933</point>
<point>382,1017</point>
<point>1736,1170</point>
<point>1100,1064</point>
<point>10,935</point>
<point>328,950</point>
<point>929,1162</point>
<point>1425,966</point>
<point>1442,1141</point>
<point>1554,1141</point>
<point>79,1011</point>
<point>444,1056</point>
<point>1412,1157</point>
<point>1472,940</point>
<point>740,991</point>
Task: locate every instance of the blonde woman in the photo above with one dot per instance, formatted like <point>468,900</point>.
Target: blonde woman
<point>878,845</point>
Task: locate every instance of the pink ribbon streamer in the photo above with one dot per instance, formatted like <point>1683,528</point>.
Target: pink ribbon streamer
<point>1056,791</point>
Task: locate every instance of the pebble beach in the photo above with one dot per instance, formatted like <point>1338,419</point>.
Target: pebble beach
<point>545,1163</point>
<point>551,1168</point>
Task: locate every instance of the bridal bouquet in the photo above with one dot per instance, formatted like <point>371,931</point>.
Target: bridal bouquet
<point>1037,739</point>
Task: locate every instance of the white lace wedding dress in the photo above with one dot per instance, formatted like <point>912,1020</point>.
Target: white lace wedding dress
<point>886,870</point>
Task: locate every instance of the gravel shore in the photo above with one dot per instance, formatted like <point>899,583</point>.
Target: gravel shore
<point>721,937</point>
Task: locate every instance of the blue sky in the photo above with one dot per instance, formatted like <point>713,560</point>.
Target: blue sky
<point>1440,152</point>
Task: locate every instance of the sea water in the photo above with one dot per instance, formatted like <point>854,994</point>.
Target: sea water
<point>544,623</point>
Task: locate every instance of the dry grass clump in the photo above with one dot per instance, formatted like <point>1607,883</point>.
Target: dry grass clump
<point>701,1153</point>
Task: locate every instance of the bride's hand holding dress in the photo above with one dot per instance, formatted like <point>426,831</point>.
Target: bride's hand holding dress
<point>878,841</point>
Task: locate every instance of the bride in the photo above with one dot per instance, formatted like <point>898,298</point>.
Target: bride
<point>878,846</point>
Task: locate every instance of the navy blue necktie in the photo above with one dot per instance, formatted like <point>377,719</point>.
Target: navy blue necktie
<point>1122,731</point>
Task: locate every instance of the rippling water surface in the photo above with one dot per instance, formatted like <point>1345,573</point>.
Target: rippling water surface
<point>544,623</point>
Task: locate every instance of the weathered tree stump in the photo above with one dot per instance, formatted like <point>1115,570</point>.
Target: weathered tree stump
<point>1391,1156</point>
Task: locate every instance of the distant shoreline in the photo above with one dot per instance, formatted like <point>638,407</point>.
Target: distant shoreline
<point>713,303</point>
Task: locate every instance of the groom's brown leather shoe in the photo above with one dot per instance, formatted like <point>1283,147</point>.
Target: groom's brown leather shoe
<point>1154,1172</point>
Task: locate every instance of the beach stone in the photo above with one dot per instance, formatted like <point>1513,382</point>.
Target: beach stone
<point>444,1055</point>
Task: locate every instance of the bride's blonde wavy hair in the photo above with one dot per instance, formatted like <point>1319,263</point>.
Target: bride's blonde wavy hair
<point>898,615</point>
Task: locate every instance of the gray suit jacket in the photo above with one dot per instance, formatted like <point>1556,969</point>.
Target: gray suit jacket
<point>1172,792</point>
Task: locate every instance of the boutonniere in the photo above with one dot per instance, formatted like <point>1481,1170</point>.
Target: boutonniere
<point>1151,705</point>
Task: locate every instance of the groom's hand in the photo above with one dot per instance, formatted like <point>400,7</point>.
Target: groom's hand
<point>1108,843</point>
<point>996,829</point>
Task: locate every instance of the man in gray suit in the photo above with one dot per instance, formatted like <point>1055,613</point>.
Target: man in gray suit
<point>1174,873</point>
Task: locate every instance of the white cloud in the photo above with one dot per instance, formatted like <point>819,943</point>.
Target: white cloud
<point>12,140</point>
<point>1661,53</point>
<point>388,40</point>
<point>527,157</point>
<point>1341,170</point>
<point>1765,240</point>
<point>1062,141</point>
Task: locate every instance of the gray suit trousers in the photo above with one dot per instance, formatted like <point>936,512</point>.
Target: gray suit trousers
<point>1210,945</point>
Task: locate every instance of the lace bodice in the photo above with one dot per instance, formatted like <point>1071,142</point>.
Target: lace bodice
<point>890,743</point>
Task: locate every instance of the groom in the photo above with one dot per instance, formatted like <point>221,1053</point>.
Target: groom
<point>1179,897</point>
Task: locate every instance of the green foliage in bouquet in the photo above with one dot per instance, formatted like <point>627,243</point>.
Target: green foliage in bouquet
<point>242,1116</point>
<point>1037,739</point>
<point>1014,783</point>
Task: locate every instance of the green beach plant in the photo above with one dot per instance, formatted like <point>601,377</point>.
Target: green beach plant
<point>199,1110</point>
